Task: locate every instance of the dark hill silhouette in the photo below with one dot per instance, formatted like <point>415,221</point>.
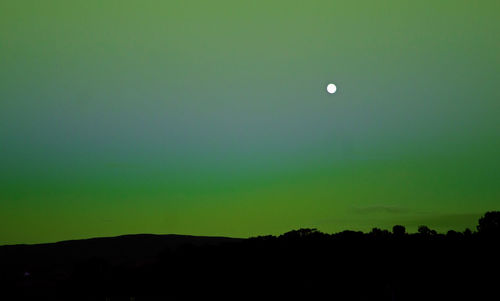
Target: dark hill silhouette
<point>303,263</point>
<point>117,249</point>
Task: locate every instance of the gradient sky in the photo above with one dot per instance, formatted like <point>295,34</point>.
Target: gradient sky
<point>212,117</point>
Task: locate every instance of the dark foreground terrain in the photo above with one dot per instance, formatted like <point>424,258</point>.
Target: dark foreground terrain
<point>305,264</point>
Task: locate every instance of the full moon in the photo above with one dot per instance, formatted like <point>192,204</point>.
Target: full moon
<point>331,88</point>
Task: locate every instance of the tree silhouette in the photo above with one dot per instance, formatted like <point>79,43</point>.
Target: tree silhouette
<point>467,232</point>
<point>399,230</point>
<point>301,233</point>
<point>426,231</point>
<point>378,233</point>
<point>453,234</point>
<point>489,224</point>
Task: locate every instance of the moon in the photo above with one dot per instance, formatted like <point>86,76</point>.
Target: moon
<point>331,88</point>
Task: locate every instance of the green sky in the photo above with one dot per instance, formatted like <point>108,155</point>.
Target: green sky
<point>212,117</point>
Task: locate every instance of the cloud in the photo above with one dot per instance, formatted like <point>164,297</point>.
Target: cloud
<point>457,221</point>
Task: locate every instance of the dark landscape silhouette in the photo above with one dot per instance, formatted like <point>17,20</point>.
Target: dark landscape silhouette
<point>304,263</point>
